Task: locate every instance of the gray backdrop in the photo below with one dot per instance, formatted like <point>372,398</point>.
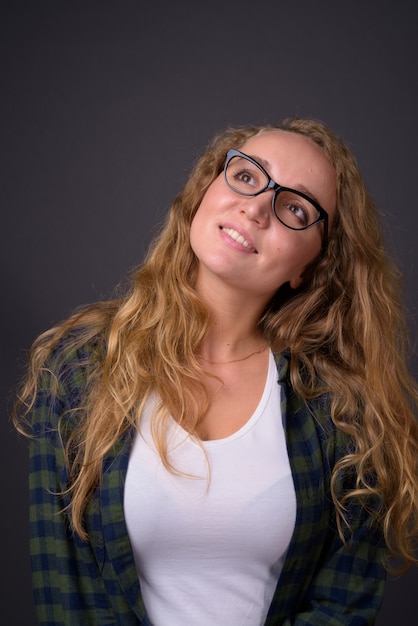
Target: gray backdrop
<point>105,106</point>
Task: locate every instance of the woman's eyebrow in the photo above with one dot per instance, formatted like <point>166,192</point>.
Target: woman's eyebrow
<point>266,164</point>
<point>308,192</point>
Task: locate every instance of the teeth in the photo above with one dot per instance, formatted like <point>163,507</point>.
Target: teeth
<point>237,237</point>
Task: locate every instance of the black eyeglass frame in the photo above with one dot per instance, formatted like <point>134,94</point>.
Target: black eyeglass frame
<point>271,184</point>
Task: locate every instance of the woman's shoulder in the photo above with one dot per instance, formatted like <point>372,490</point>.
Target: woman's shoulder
<point>70,363</point>
<point>311,414</point>
<point>76,344</point>
<point>64,380</point>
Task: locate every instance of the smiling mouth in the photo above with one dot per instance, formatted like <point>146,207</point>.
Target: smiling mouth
<point>238,238</point>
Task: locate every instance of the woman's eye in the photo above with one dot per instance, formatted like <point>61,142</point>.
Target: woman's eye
<point>245,177</point>
<point>299,213</point>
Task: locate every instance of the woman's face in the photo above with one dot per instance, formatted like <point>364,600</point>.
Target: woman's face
<point>239,241</point>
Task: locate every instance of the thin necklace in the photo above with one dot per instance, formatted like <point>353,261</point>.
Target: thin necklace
<point>244,358</point>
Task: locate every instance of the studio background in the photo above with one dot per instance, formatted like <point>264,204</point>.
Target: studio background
<point>104,108</point>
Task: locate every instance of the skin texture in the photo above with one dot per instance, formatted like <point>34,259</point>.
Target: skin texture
<point>276,254</point>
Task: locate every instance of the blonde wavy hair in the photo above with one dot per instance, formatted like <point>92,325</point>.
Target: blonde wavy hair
<point>344,328</point>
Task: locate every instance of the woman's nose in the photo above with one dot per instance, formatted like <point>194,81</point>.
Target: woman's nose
<point>258,208</point>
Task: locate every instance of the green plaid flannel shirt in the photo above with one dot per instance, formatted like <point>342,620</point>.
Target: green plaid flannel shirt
<point>95,583</point>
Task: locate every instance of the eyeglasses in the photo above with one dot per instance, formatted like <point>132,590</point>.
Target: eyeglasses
<point>292,208</point>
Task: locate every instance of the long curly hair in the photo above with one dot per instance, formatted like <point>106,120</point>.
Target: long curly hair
<point>344,328</point>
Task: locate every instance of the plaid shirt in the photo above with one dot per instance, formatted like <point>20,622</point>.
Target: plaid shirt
<point>95,583</point>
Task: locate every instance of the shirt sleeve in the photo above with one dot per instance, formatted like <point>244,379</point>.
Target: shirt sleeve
<point>67,585</point>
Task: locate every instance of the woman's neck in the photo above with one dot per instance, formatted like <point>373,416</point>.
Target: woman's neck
<point>233,333</point>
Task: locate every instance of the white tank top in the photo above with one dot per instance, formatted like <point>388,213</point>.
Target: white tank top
<point>209,552</point>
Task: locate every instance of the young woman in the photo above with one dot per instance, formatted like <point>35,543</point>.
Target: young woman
<point>234,442</point>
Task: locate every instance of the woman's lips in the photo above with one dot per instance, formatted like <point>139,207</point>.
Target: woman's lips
<point>236,236</point>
